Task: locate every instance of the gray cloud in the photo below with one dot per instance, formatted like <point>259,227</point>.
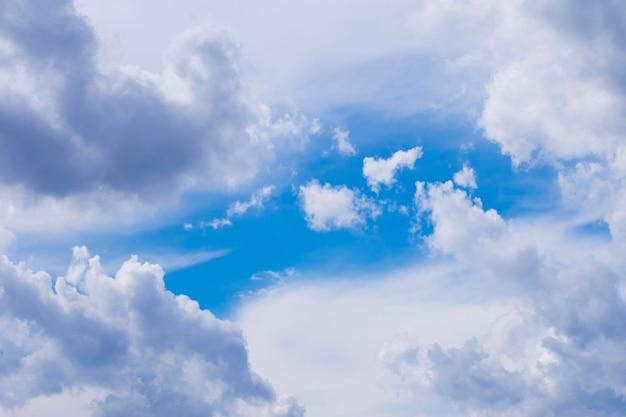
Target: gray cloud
<point>68,126</point>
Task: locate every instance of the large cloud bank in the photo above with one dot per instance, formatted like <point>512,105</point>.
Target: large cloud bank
<point>146,351</point>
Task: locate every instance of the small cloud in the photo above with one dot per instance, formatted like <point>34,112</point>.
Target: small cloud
<point>172,262</point>
<point>466,178</point>
<point>379,171</point>
<point>331,208</point>
<point>275,276</point>
<point>316,127</point>
<point>216,223</point>
<point>343,143</point>
<point>188,226</point>
<point>257,200</point>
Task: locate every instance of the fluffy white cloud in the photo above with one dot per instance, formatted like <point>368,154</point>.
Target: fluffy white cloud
<point>571,296</point>
<point>466,177</point>
<point>553,83</point>
<point>328,208</point>
<point>140,349</point>
<point>380,171</point>
<point>342,137</point>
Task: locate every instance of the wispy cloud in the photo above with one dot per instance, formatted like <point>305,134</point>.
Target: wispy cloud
<point>342,137</point>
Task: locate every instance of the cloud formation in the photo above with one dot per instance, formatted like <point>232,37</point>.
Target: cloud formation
<point>70,126</point>
<point>466,177</point>
<point>342,137</point>
<point>380,171</point>
<point>570,303</point>
<point>329,207</point>
<point>146,351</point>
<point>256,200</point>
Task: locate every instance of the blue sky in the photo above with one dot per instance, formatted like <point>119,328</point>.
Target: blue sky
<point>313,209</point>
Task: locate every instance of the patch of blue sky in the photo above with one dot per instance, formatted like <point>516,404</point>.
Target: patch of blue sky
<point>213,266</point>
<point>276,237</point>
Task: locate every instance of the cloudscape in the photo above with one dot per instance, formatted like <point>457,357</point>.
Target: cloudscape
<point>314,208</point>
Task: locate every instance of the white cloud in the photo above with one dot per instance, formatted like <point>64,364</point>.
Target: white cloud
<point>380,171</point>
<point>343,141</point>
<point>329,208</point>
<point>137,347</point>
<point>217,223</point>
<point>7,238</point>
<point>475,236</point>
<point>571,294</point>
<point>512,317</point>
<point>466,177</point>
<point>312,73</point>
<point>257,200</point>
<point>348,320</point>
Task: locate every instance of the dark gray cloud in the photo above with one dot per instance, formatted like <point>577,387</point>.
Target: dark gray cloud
<point>66,126</point>
<point>153,353</point>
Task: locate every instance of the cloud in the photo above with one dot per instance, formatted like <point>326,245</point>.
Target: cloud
<point>75,132</point>
<point>216,223</point>
<point>141,349</point>
<point>339,207</point>
<point>257,200</point>
<point>343,142</point>
<point>173,261</point>
<point>379,171</point>
<point>554,89</point>
<point>571,300</point>
<point>509,316</point>
<point>7,238</point>
<point>466,178</point>
<point>348,319</point>
<point>476,236</point>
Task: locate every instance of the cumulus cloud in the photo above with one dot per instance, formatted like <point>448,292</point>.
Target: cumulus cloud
<point>71,127</point>
<point>142,350</point>
<point>510,317</point>
<point>571,301</point>
<point>329,207</point>
<point>380,171</point>
<point>476,236</point>
<point>342,137</point>
<point>553,85</point>
<point>466,177</point>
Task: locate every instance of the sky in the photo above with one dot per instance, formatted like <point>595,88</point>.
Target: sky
<point>313,208</point>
